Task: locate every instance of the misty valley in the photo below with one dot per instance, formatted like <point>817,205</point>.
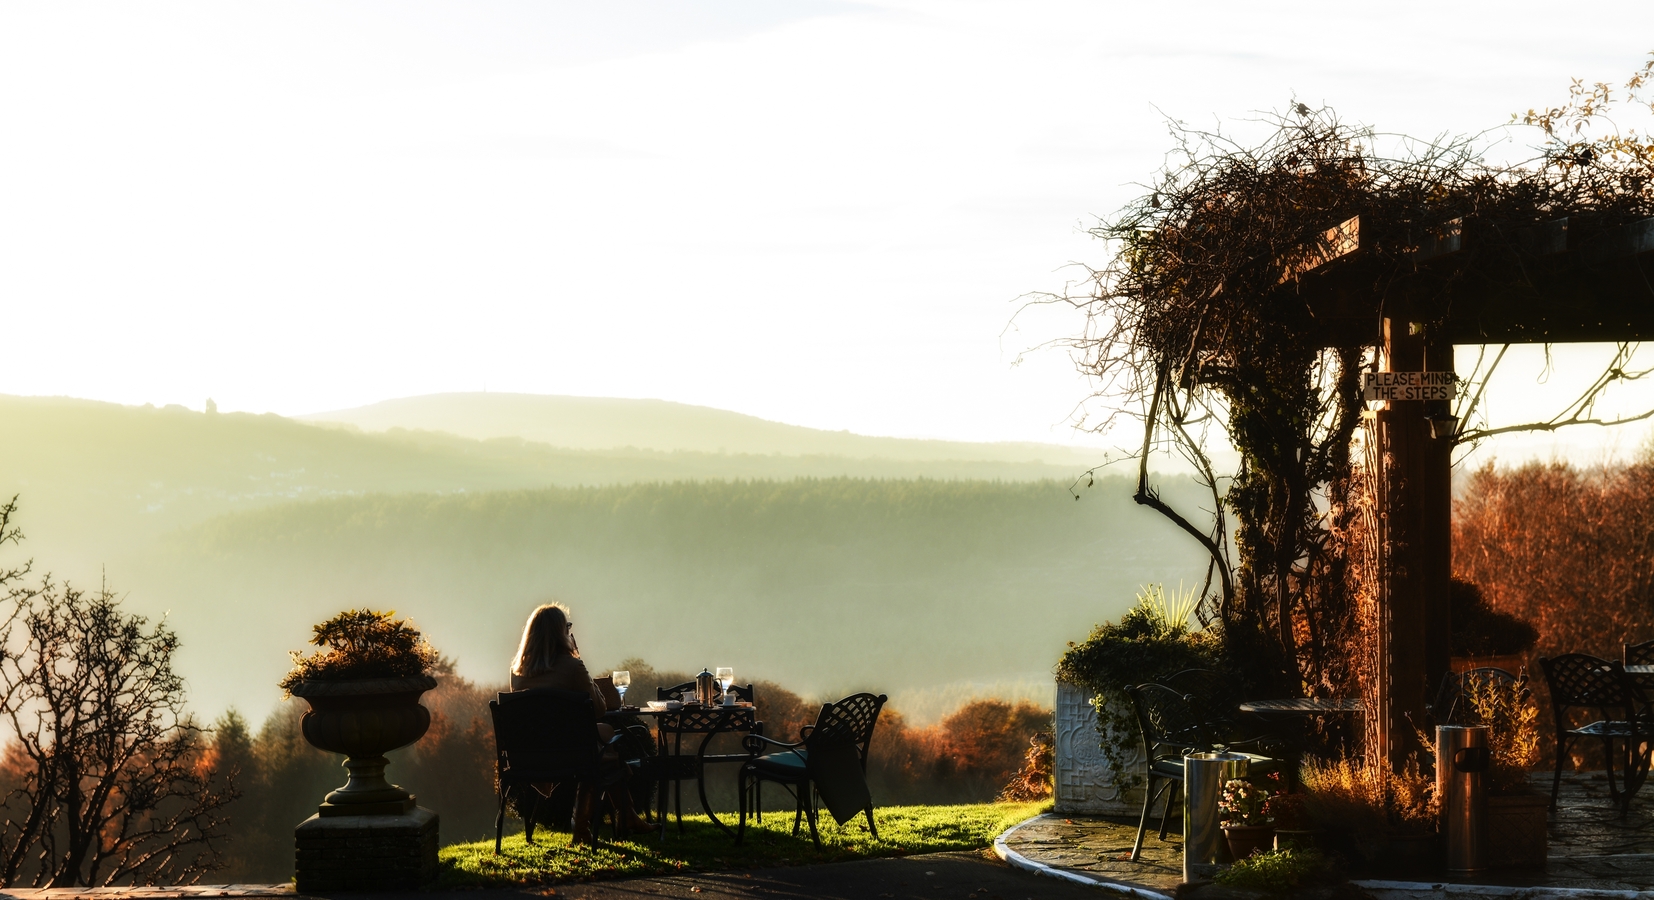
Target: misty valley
<point>949,584</point>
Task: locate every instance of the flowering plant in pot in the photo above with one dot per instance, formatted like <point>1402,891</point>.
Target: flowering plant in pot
<point>363,687</point>
<point>1242,810</point>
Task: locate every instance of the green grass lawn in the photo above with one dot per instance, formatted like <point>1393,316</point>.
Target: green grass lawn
<point>902,830</point>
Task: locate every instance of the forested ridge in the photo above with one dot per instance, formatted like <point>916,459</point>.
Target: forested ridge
<point>824,584</point>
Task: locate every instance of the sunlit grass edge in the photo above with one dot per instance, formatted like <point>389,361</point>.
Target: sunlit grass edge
<point>903,830</point>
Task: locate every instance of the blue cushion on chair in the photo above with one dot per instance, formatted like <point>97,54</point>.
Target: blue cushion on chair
<point>785,764</point>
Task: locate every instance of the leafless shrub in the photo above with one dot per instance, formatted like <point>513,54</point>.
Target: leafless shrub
<point>110,780</point>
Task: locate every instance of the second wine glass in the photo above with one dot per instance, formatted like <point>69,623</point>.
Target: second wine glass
<point>622,681</point>
<point>726,677</point>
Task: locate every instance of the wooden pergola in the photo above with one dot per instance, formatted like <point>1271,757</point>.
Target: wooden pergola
<point>1570,280</point>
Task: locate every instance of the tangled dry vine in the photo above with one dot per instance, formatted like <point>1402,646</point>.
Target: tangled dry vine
<point>1197,330</point>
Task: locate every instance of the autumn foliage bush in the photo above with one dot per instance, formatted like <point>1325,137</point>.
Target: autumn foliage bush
<point>1571,551</point>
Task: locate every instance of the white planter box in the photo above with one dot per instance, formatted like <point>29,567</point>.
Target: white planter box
<point>1085,780</point>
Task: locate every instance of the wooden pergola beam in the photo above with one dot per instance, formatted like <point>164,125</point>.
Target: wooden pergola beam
<point>1567,280</point>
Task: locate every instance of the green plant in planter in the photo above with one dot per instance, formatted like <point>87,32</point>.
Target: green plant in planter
<point>1512,718</point>
<point>1151,641</point>
<point>363,688</point>
<point>361,644</point>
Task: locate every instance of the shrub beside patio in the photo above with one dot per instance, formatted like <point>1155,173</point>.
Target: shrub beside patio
<point>903,831</point>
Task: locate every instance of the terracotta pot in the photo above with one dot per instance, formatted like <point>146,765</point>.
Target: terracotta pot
<point>364,720</point>
<point>1516,829</point>
<point>1245,840</point>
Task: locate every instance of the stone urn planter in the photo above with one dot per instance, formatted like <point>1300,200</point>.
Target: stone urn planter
<point>364,720</point>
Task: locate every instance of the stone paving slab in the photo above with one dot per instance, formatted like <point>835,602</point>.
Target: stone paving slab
<point>1100,848</point>
<point>1592,847</point>
<point>937,876</point>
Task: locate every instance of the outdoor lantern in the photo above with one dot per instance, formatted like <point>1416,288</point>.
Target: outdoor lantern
<point>1443,426</point>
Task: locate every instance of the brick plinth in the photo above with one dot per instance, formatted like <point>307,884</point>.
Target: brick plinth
<point>355,853</point>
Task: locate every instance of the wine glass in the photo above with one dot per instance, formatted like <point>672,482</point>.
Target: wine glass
<point>622,681</point>
<point>726,677</point>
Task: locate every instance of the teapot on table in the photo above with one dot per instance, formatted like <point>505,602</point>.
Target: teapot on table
<point>706,688</point>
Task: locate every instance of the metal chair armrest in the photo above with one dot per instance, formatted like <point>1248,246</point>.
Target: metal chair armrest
<point>755,744</point>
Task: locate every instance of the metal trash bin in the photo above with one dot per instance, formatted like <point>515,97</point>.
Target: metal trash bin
<point>1461,760</point>
<point>1204,775</point>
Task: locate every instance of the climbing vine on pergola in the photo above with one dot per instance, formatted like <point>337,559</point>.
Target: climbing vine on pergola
<point>1200,330</point>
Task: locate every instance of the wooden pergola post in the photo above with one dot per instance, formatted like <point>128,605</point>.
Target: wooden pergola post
<point>1415,534</point>
<point>1568,280</point>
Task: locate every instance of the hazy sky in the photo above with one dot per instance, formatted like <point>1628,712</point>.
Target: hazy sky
<point>819,213</point>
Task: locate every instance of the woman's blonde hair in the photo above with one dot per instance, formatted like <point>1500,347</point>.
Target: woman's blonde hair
<point>545,638</point>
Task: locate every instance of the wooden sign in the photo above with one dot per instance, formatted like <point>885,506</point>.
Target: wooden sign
<point>1407,385</point>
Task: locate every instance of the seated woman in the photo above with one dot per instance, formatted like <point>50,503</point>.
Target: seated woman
<point>548,657</point>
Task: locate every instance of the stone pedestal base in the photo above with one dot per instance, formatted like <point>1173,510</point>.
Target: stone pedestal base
<point>359,853</point>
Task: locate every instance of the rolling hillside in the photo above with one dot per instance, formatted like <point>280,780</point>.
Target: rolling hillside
<point>99,481</point>
<point>598,423</point>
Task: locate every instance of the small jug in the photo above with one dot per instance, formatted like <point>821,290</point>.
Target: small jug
<point>706,687</point>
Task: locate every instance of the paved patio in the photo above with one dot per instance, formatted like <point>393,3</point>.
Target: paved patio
<point>938,876</point>
<point>1592,846</point>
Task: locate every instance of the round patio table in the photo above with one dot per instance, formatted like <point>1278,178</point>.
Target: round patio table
<point>1302,706</point>
<point>706,721</point>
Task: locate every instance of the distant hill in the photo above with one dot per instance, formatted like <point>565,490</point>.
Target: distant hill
<point>99,481</point>
<point>598,423</point>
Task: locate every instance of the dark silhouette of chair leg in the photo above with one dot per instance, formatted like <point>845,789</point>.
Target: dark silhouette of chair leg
<point>1149,796</point>
<point>1556,779</point>
<point>1608,762</point>
<point>499,820</point>
<point>810,813</point>
<point>1166,811</point>
<point>527,797</point>
<point>873,829</point>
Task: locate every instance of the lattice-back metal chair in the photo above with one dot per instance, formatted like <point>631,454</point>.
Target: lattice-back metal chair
<point>1215,698</point>
<point>839,728</point>
<point>1172,726</point>
<point>545,736</point>
<point>1451,707</point>
<point>1639,654</point>
<point>1581,681</point>
<point>1170,730</point>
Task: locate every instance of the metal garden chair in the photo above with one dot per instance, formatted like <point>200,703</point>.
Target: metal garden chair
<point>1172,728</point>
<point>1581,681</point>
<point>830,757</point>
<point>545,737</point>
